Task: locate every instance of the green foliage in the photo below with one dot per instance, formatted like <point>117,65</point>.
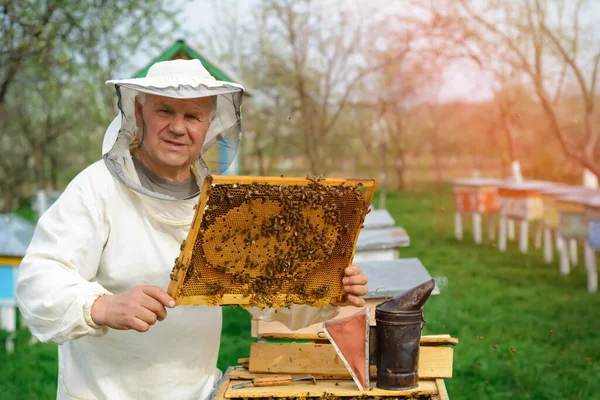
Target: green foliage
<point>54,59</point>
<point>508,300</point>
<point>31,372</point>
<point>235,339</point>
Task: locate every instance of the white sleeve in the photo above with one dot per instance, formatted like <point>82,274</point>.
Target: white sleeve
<point>296,317</point>
<point>55,288</point>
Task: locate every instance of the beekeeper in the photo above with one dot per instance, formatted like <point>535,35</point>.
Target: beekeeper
<point>93,278</point>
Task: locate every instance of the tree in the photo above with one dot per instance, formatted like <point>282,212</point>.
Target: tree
<point>54,56</point>
<point>545,42</point>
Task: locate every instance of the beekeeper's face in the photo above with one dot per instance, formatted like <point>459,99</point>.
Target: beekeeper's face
<point>174,132</point>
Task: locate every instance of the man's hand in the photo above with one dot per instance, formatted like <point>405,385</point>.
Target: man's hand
<point>354,286</point>
<point>137,308</point>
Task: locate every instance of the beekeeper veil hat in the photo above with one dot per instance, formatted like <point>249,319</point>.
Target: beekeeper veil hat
<point>180,79</point>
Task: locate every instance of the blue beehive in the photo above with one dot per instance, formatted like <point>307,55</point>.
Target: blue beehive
<point>15,235</point>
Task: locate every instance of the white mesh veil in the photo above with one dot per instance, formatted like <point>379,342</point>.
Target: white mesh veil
<point>176,79</point>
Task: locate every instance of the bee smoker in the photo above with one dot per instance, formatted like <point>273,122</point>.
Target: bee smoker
<point>394,346</point>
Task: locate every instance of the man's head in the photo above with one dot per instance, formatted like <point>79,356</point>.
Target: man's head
<point>171,132</point>
<point>171,118</point>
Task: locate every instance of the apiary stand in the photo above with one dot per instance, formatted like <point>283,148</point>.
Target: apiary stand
<point>576,216</point>
<point>477,197</point>
<point>521,202</point>
<point>551,218</point>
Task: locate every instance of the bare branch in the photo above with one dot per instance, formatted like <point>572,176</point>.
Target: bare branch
<point>507,40</point>
<point>570,60</point>
<point>595,75</point>
<point>358,78</point>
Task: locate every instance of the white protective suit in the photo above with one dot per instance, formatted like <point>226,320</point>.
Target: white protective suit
<point>104,235</point>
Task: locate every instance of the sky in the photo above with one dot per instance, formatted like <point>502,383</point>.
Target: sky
<point>462,79</point>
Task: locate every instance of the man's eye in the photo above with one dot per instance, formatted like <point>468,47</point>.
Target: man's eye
<point>193,117</point>
<point>164,111</point>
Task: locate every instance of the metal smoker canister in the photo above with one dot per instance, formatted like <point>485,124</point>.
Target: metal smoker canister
<point>398,340</point>
<point>399,325</point>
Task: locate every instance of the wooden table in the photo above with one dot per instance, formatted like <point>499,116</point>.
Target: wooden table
<point>476,196</point>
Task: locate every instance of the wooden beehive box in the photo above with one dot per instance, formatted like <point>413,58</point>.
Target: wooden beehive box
<point>572,220</point>
<point>476,195</point>
<point>332,378</point>
<point>522,201</point>
<point>550,207</point>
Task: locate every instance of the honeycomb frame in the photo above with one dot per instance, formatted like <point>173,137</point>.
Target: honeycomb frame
<point>270,241</point>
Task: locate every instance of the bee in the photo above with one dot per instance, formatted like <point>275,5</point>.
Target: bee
<point>320,292</point>
<point>222,268</point>
<point>182,246</point>
<point>215,288</point>
<point>218,249</point>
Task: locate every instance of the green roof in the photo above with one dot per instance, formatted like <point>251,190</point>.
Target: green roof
<point>180,50</point>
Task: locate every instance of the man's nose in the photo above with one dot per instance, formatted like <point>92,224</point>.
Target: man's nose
<point>177,125</point>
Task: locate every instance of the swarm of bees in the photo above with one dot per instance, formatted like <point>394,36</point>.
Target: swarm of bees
<point>275,244</point>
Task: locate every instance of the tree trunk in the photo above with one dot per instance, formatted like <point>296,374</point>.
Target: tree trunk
<point>400,166</point>
<point>435,146</point>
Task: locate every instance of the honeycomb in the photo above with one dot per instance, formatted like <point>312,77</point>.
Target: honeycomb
<point>270,242</point>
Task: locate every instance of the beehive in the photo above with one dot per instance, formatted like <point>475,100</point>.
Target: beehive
<point>270,242</point>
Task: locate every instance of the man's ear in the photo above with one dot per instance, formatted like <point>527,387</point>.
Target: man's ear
<point>138,111</point>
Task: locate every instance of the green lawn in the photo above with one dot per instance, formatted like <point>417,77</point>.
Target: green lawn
<point>525,331</point>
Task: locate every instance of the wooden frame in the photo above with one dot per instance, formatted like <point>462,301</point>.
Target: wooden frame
<point>185,256</point>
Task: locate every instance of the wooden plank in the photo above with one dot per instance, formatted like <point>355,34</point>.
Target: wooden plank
<point>254,327</point>
<point>188,244</point>
<point>321,359</point>
<point>441,387</point>
<point>340,388</point>
<point>436,340</point>
<point>277,180</point>
<point>285,334</point>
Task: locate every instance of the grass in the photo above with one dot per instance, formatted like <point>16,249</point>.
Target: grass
<point>493,302</point>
